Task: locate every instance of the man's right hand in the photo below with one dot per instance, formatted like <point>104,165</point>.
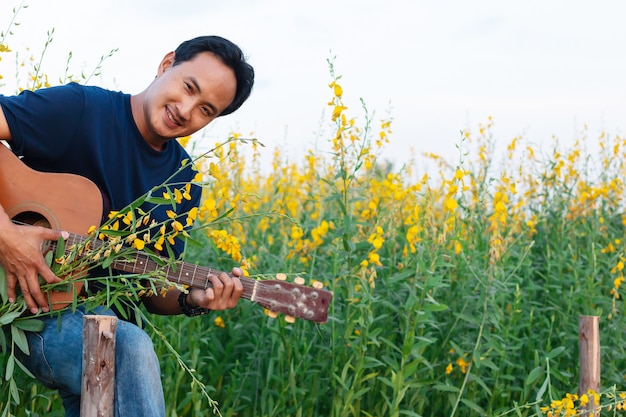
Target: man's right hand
<point>23,261</point>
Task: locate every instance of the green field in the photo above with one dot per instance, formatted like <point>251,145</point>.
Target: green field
<point>457,291</point>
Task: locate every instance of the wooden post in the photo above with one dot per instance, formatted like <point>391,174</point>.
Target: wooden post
<point>589,359</point>
<point>98,381</point>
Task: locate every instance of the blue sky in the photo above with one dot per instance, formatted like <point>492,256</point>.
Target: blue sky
<point>539,68</point>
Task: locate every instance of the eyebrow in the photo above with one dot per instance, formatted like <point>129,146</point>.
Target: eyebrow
<point>197,87</point>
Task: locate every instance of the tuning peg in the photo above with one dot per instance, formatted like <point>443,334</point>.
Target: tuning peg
<point>290,319</point>
<point>272,314</point>
<point>318,285</point>
<point>299,280</point>
<point>281,276</point>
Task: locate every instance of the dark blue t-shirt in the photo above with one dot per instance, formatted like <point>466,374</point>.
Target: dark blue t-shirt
<point>91,132</point>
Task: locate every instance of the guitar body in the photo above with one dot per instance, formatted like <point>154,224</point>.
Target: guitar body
<point>49,200</point>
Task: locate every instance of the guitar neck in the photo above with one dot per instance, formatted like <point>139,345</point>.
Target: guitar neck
<point>277,296</point>
<point>183,273</point>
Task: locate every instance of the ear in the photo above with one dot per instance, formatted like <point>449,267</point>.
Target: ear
<point>166,63</point>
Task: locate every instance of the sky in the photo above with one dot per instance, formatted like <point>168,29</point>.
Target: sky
<point>540,69</point>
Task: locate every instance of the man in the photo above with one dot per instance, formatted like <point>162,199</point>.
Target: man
<point>123,144</point>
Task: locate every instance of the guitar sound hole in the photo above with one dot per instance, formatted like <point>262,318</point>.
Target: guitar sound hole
<point>34,219</point>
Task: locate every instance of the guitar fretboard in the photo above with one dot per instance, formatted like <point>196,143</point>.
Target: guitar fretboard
<point>292,299</point>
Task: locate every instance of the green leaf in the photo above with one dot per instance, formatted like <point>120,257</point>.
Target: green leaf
<point>19,338</point>
<point>474,406</point>
<point>3,285</point>
<point>158,201</point>
<point>555,352</point>
<point>29,325</point>
<point>60,250</point>
<point>446,388</point>
<point>24,369</point>
<point>3,342</point>
<point>434,307</point>
<point>410,413</point>
<point>543,389</point>
<point>533,376</point>
<point>14,392</point>
<point>9,317</point>
<point>8,372</point>
<point>411,367</point>
<point>114,233</point>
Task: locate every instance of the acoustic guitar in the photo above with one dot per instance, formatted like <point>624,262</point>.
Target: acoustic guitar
<point>74,204</point>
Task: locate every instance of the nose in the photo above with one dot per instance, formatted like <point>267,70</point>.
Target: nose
<point>185,108</point>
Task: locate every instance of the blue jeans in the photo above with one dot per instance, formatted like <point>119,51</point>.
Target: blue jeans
<point>56,361</point>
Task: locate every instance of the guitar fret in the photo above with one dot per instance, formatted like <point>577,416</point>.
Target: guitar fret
<point>180,273</point>
<point>168,273</point>
<point>193,275</point>
<point>254,288</point>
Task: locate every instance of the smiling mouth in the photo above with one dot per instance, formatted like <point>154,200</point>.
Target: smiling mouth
<point>174,121</point>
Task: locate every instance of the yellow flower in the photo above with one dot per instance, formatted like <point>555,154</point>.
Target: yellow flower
<point>457,247</point>
<point>159,243</point>
<point>176,225</point>
<point>450,204</point>
<point>192,216</point>
<point>184,140</point>
<point>296,232</point>
<point>376,240</point>
<point>128,218</point>
<point>463,364</point>
<point>178,196</point>
<point>337,90</point>
<point>209,207</point>
<point>219,322</point>
<point>374,258</point>
<point>449,368</point>
<point>138,244</point>
<point>186,192</point>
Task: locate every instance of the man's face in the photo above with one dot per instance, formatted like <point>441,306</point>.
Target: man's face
<point>186,97</point>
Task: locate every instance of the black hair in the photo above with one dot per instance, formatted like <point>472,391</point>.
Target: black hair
<point>230,54</point>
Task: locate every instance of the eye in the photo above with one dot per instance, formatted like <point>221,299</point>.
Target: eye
<point>206,110</point>
<point>188,86</point>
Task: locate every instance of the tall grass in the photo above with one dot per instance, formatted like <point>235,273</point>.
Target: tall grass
<point>457,292</point>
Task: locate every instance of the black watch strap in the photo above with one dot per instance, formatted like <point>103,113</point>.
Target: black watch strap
<point>187,309</point>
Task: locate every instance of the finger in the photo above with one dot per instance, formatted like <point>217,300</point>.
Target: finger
<point>52,234</point>
<point>218,285</point>
<point>33,297</point>
<point>236,294</point>
<point>209,295</point>
<point>238,287</point>
<point>46,273</point>
<point>11,283</point>
<point>238,272</point>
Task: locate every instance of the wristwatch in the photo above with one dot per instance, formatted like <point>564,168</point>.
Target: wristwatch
<point>187,309</point>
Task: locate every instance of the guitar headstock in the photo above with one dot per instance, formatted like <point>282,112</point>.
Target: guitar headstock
<point>295,300</point>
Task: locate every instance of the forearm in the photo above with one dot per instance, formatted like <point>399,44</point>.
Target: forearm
<point>165,305</point>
